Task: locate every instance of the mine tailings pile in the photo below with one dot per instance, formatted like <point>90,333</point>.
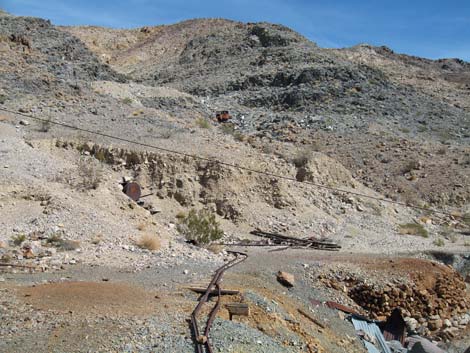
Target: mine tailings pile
<point>433,304</point>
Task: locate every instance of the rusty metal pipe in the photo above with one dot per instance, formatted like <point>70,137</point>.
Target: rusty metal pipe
<point>214,282</point>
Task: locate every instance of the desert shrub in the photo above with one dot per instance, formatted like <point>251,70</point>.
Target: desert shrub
<point>227,128</point>
<point>410,166</point>
<point>142,226</point>
<point>3,98</point>
<point>180,215</point>
<point>466,219</point>
<point>238,136</point>
<point>127,101</point>
<point>45,125</point>
<point>69,245</point>
<point>215,248</point>
<point>56,240</point>
<point>413,229</point>
<point>100,155</point>
<point>90,174</point>
<point>449,234</point>
<point>149,242</point>
<point>18,239</point>
<point>439,242</point>
<point>200,227</point>
<point>302,158</point>
<point>203,123</point>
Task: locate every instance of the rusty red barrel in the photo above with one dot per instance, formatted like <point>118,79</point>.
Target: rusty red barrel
<point>132,190</point>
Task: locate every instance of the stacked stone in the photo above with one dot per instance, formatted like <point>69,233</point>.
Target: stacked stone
<point>444,305</point>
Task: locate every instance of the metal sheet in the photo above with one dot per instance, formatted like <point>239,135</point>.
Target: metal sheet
<point>344,308</point>
<point>372,330</point>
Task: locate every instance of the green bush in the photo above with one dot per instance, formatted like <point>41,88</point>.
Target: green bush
<point>200,227</point>
<point>18,239</point>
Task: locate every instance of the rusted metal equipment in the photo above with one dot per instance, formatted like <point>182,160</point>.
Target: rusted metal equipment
<point>202,341</point>
<point>132,189</point>
<point>222,116</point>
<point>279,239</point>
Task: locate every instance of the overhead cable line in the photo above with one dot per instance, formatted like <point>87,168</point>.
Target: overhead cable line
<point>236,166</point>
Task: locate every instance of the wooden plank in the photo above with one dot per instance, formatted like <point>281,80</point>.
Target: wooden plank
<point>241,309</point>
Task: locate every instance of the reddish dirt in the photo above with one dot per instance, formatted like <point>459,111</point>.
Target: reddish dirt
<point>91,297</point>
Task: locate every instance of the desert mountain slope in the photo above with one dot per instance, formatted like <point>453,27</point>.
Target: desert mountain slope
<point>352,103</point>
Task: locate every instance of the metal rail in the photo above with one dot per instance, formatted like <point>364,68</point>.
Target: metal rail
<point>202,341</point>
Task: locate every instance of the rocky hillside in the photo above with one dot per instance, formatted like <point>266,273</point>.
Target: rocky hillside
<point>352,103</point>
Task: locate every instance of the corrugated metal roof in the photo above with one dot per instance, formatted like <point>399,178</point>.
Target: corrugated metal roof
<point>372,330</point>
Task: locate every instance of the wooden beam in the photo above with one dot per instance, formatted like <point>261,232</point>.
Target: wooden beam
<point>241,309</point>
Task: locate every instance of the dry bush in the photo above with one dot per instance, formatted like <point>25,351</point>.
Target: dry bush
<point>98,238</point>
<point>90,173</point>
<point>413,229</point>
<point>142,226</point>
<point>180,215</point>
<point>45,125</point>
<point>302,158</point>
<point>203,123</point>
<point>215,248</point>
<point>149,242</point>
<point>3,245</point>
<point>57,241</point>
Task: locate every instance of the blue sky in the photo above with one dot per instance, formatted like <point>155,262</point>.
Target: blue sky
<point>425,28</point>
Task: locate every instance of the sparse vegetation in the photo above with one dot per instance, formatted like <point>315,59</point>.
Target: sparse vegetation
<point>90,174</point>
<point>439,242</point>
<point>45,125</point>
<point>18,239</point>
<point>466,219</point>
<point>203,123</point>
<point>149,242</point>
<point>127,100</point>
<point>3,98</point>
<point>410,166</point>
<point>302,158</point>
<point>200,227</point>
<point>180,215</point>
<point>57,240</point>
<point>215,248</point>
<point>413,229</point>
<point>100,155</point>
